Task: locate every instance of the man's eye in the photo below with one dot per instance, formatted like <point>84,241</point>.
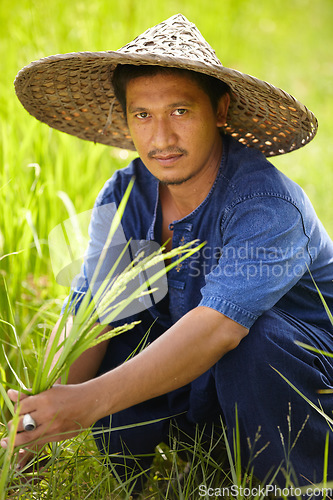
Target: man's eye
<point>180,112</point>
<point>142,115</point>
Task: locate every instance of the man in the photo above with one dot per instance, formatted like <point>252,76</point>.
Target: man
<point>232,313</point>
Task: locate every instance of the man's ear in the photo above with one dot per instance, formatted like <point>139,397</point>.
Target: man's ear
<point>222,110</point>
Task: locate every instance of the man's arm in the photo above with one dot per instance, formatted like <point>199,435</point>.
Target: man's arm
<point>188,349</point>
<point>185,351</point>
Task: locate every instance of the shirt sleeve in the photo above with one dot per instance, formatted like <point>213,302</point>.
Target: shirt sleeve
<point>264,253</point>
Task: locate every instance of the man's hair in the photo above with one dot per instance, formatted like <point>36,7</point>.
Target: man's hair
<point>124,73</point>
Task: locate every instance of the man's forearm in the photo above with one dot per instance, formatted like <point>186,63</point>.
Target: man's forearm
<point>185,351</point>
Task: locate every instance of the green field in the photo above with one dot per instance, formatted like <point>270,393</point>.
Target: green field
<point>45,175</point>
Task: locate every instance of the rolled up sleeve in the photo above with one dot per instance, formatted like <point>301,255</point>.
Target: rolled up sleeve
<point>264,253</point>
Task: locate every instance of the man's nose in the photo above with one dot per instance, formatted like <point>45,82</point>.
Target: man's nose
<point>163,135</point>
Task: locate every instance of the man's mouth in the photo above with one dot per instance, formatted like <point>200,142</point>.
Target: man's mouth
<point>168,158</point>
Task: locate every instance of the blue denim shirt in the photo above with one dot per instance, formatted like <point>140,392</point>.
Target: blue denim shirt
<point>262,238</point>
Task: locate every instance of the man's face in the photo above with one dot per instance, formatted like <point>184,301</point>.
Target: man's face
<point>174,127</point>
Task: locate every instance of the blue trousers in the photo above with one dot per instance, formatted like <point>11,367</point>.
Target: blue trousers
<point>277,427</point>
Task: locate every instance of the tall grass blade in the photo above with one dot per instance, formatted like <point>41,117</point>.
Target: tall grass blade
<point>28,217</point>
<point>6,459</point>
<point>319,410</point>
<point>6,399</point>
<point>22,386</point>
<point>328,312</point>
<point>314,349</point>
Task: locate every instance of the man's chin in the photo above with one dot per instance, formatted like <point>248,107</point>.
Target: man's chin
<point>173,182</point>
<point>177,181</point>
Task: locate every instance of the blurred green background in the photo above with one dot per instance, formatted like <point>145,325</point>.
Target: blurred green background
<point>44,174</point>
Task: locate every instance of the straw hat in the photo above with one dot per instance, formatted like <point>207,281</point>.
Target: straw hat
<point>73,92</point>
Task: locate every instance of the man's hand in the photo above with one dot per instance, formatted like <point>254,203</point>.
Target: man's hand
<point>60,413</point>
<point>63,411</point>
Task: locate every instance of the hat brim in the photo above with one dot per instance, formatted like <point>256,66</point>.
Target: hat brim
<point>73,93</point>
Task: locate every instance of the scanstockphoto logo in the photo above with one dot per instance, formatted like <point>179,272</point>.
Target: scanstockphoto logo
<point>85,263</point>
<point>249,261</point>
<point>267,491</point>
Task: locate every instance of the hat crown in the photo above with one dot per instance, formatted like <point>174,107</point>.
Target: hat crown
<point>174,38</point>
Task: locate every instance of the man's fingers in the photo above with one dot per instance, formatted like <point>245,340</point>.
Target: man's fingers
<point>13,395</point>
<point>56,412</point>
<point>24,457</point>
<point>23,422</point>
<point>36,438</point>
<point>16,396</point>
<point>32,454</point>
<point>20,425</point>
<point>22,438</point>
<point>25,439</point>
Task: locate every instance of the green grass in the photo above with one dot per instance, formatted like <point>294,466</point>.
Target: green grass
<point>286,42</point>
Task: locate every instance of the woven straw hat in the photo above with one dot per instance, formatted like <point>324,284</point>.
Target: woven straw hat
<point>73,92</point>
